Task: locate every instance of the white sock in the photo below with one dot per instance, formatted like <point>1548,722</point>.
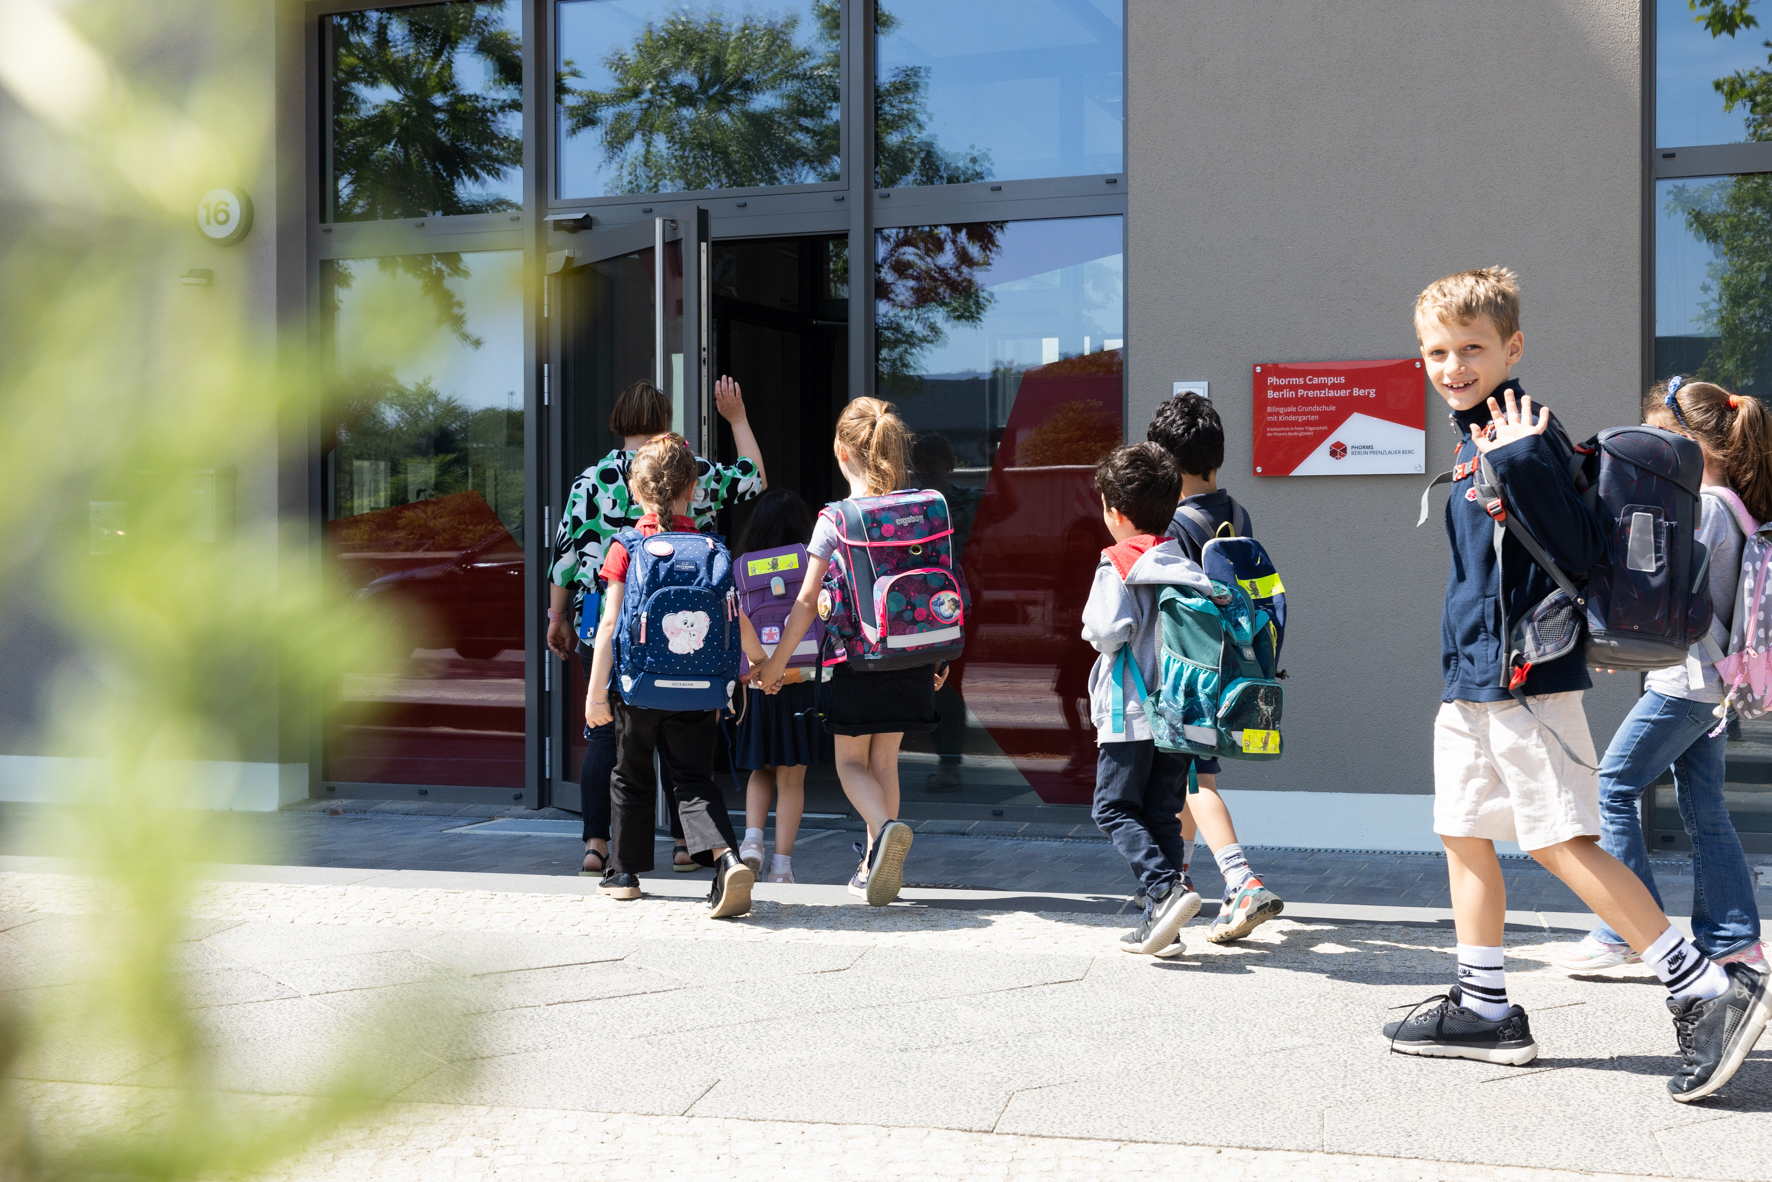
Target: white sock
<point>1234,866</point>
<point>755,835</point>
<point>1482,981</point>
<point>780,862</point>
<point>1187,857</point>
<point>1683,969</point>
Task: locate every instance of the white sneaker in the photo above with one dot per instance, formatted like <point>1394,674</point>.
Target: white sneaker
<point>781,875</point>
<point>751,854</point>
<point>1589,955</point>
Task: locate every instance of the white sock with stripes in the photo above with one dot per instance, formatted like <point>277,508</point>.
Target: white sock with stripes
<point>1482,981</point>
<point>1683,969</point>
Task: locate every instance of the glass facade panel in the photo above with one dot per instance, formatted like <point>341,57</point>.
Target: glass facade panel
<point>974,90</point>
<point>1002,345</point>
<point>1713,280</point>
<point>424,111</point>
<point>669,96</point>
<point>1689,62</point>
<point>424,490</point>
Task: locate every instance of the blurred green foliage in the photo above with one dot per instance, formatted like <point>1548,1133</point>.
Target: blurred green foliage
<point>152,430</point>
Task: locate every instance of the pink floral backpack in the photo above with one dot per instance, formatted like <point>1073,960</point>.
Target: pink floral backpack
<point>894,596</point>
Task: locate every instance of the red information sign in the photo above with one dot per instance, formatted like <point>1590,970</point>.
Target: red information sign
<point>1340,418</point>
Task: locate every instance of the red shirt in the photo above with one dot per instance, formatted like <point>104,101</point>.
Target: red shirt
<point>615,559</point>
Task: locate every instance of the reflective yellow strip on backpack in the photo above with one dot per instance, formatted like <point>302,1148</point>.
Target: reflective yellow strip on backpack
<point>1263,588</point>
<point>1261,742</point>
<point>769,566</point>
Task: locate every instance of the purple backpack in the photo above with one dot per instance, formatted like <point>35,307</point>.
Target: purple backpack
<point>768,581</point>
<point>894,596</point>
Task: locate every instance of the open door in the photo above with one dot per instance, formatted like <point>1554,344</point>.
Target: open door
<point>622,305</point>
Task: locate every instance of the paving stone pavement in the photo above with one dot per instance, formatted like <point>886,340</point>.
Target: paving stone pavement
<point>528,1028</point>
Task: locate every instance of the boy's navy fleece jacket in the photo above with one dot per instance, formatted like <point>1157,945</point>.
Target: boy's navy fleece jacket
<point>1537,491</point>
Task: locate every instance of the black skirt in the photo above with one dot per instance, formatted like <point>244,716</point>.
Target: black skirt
<point>880,703</point>
<point>780,730</point>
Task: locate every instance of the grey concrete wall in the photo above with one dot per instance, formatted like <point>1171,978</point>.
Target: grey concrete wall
<point>1298,171</point>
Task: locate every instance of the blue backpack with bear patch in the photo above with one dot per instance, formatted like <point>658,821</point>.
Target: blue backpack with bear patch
<point>677,638</point>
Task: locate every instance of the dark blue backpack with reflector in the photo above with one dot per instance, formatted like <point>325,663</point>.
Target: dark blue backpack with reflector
<point>677,638</point>
<point>1230,556</point>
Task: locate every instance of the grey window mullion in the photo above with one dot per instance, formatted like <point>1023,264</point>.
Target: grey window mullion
<point>1027,209</point>
<point>858,163</point>
<point>1711,160</point>
<point>356,240</point>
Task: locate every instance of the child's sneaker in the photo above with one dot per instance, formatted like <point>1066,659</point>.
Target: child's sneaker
<point>858,882</point>
<point>619,886</point>
<point>751,854</point>
<point>885,877</point>
<point>1174,949</point>
<point>786,875</point>
<point>1753,956</point>
<point>1590,955</point>
<point>1449,1031</point>
<point>1161,921</point>
<point>1243,912</point>
<point>731,892</point>
<point>1716,1033</point>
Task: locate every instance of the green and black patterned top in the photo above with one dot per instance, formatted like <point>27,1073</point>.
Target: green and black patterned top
<point>600,506</point>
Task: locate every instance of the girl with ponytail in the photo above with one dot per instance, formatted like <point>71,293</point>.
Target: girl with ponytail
<point>868,713</point>
<point>1673,724</point>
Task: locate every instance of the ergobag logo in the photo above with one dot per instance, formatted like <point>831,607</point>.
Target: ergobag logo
<point>907,520</point>
<point>1338,450</point>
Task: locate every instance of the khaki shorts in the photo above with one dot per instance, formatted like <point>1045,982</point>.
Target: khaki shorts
<point>1498,774</point>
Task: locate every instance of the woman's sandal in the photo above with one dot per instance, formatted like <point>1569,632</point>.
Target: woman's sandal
<point>586,870</point>
<point>687,865</point>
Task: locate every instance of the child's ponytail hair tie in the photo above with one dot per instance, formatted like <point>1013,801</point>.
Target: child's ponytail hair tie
<point>1734,402</point>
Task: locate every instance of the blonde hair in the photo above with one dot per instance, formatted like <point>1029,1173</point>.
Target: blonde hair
<point>1735,429</point>
<point>1490,292</point>
<point>641,409</point>
<point>663,470</point>
<point>877,441</point>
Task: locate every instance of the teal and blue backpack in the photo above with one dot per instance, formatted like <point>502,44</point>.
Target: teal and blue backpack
<point>677,638</point>
<point>1217,695</point>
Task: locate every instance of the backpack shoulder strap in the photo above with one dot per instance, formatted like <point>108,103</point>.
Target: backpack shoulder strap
<point>1239,520</point>
<point>1744,521</point>
<point>1445,477</point>
<point>1194,523</point>
<point>1117,696</point>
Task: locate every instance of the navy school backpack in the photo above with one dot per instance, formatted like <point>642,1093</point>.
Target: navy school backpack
<point>1230,555</point>
<point>1647,602</point>
<point>677,638</point>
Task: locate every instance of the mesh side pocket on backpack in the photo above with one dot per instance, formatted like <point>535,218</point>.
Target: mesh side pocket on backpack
<point>1184,709</point>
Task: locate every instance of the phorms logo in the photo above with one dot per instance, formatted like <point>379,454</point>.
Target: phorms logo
<point>1338,450</point>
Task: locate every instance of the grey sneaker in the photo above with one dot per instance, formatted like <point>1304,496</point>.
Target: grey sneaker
<point>1161,921</point>
<point>1447,1030</point>
<point>1717,1033</point>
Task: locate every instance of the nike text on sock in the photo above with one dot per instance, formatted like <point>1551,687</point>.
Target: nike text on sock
<point>755,835</point>
<point>1683,969</point>
<point>1482,981</point>
<point>1233,865</point>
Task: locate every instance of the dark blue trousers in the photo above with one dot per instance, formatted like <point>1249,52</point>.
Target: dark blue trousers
<point>1138,791</point>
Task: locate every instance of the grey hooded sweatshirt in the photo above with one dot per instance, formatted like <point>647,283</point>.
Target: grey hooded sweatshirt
<point>1122,609</point>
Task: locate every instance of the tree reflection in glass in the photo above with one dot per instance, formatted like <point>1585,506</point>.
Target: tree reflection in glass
<point>1727,334</point>
<point>426,111</point>
<point>661,96</point>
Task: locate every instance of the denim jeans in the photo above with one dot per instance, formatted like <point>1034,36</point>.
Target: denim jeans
<point>1659,732</point>
<point>1138,791</point>
<point>594,773</point>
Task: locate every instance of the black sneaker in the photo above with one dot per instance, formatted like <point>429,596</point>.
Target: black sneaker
<point>1449,1031</point>
<point>1161,921</point>
<point>886,867</point>
<point>858,882</point>
<point>731,892</point>
<point>1716,1033</point>
<point>619,886</point>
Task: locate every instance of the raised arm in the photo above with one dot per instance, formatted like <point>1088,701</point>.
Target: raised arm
<point>729,401</point>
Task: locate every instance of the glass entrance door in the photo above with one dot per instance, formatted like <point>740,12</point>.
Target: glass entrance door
<point>631,304</point>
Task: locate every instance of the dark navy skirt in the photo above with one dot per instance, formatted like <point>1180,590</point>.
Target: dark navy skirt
<point>769,735</point>
<point>881,703</point>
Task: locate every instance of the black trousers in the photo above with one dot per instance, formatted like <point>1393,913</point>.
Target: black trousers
<point>599,765</point>
<point>684,742</point>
